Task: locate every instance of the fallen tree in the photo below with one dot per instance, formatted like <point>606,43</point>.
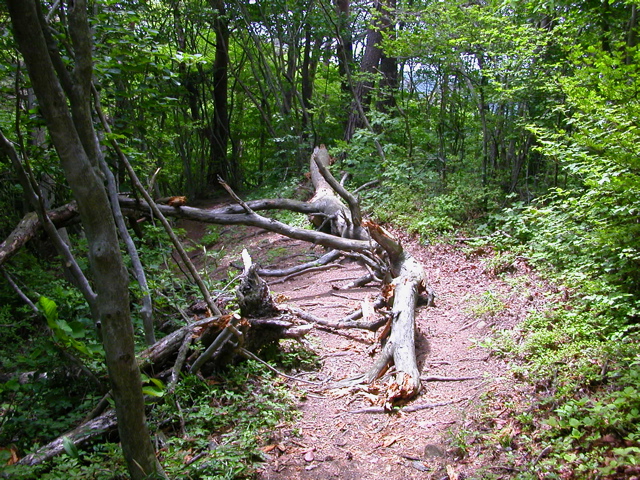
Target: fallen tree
<point>30,226</point>
<point>340,227</point>
<point>336,214</point>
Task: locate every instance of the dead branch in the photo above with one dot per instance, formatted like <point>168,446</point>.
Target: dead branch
<point>358,282</point>
<point>343,221</point>
<point>269,204</point>
<point>165,348</point>
<point>447,379</point>
<point>350,321</point>
<point>322,160</point>
<point>223,337</point>
<point>287,272</point>
<point>179,363</point>
<point>305,271</point>
<point>30,225</point>
<point>239,201</point>
<point>412,408</point>
<point>85,432</point>
<point>254,220</point>
<point>158,213</point>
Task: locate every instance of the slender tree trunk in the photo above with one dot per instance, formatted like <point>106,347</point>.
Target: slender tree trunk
<point>632,32</point>
<point>368,67</point>
<point>388,64</point>
<point>308,72</point>
<point>344,50</point>
<point>76,150</point>
<point>220,163</point>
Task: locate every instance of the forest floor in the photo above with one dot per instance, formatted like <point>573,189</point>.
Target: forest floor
<point>436,441</point>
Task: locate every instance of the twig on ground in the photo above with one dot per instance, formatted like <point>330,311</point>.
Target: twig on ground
<point>470,324</point>
<point>477,387</point>
<point>310,269</point>
<point>346,297</point>
<point>447,379</point>
<point>541,455</point>
<point>252,356</point>
<point>409,409</point>
<point>360,281</point>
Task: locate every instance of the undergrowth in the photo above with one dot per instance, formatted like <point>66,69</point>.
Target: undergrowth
<point>209,428</point>
<point>579,357</point>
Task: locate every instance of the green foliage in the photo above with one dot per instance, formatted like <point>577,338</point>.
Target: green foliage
<point>581,351</point>
<point>588,231</point>
<point>290,355</point>
<point>98,462</point>
<point>426,212</point>
<point>49,402</point>
<point>231,417</point>
<point>226,418</point>
<point>489,304</point>
<point>212,236</point>
<point>69,335</point>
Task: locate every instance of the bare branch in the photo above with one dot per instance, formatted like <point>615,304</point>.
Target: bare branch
<point>230,191</point>
<point>61,247</point>
<point>157,212</point>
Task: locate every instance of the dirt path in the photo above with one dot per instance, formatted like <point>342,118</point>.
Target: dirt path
<point>332,440</point>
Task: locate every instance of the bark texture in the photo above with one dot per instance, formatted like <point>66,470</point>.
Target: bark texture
<point>64,98</point>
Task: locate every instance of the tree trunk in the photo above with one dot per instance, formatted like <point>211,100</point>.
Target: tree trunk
<point>364,85</point>
<point>76,145</point>
<point>220,163</point>
<point>344,50</point>
<point>388,64</point>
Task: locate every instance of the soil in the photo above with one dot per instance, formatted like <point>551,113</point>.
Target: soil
<point>475,297</point>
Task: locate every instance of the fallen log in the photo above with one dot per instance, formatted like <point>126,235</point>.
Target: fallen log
<point>405,277</point>
<point>409,280</point>
<point>30,225</point>
<point>95,428</point>
<point>382,254</point>
<point>253,220</point>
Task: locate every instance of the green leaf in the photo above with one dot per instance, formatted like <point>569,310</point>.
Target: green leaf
<point>50,310</point>
<point>70,447</point>
<point>153,391</point>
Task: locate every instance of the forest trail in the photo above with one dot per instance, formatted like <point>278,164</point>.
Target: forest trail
<point>332,440</point>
